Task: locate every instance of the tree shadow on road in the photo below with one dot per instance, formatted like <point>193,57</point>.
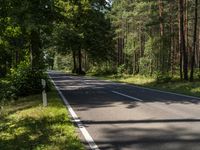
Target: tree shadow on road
<point>149,138</point>
<point>88,93</point>
<point>156,133</point>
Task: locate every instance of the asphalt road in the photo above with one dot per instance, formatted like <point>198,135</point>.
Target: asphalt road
<point>126,117</point>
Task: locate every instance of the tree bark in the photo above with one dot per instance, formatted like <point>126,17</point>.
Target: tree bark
<point>74,62</point>
<point>182,40</point>
<point>194,40</point>
<point>80,71</point>
<point>179,47</point>
<point>162,57</point>
<point>35,52</point>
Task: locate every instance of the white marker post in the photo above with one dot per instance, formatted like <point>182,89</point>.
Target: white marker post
<point>44,95</point>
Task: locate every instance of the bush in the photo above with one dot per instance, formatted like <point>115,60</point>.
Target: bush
<point>198,75</point>
<point>163,78</point>
<point>102,70</point>
<point>1,91</point>
<point>26,81</point>
<point>121,69</point>
<point>5,89</point>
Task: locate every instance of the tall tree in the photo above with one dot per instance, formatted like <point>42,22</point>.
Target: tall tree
<point>182,40</point>
<point>194,40</point>
<point>33,17</point>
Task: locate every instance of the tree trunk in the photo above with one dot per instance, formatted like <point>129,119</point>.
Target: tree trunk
<point>80,71</point>
<point>194,40</point>
<point>179,47</point>
<point>35,52</point>
<point>182,40</point>
<point>74,62</point>
<point>160,6</point>
<point>171,56</point>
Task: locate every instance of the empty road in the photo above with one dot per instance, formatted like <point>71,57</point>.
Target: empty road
<point>125,117</point>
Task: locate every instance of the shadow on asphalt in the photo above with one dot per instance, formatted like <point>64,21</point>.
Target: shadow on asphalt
<point>90,122</point>
<point>99,93</point>
<point>85,94</point>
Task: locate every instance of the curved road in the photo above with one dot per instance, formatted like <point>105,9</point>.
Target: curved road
<point>125,117</point>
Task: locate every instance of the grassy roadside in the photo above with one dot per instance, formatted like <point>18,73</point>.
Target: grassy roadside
<point>177,86</point>
<point>25,124</point>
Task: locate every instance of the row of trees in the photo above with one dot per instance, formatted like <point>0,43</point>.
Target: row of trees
<point>22,25</point>
<point>83,32</point>
<point>33,32</point>
<point>37,30</point>
<point>157,36</point>
<point>139,36</point>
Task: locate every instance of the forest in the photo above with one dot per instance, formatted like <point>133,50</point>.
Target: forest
<point>141,37</point>
<point>157,36</point>
<point>151,46</point>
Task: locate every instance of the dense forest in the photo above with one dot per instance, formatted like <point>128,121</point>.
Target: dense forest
<point>37,30</point>
<point>157,36</point>
<point>152,38</point>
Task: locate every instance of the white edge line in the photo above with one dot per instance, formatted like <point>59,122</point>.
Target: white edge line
<point>146,88</point>
<point>183,95</point>
<point>80,125</point>
<point>131,97</point>
<point>151,89</point>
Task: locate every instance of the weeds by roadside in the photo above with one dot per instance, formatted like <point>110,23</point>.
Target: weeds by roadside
<point>25,124</point>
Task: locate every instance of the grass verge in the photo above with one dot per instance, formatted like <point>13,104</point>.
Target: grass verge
<point>25,124</point>
<point>175,85</point>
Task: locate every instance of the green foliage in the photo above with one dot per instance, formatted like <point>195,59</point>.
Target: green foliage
<point>26,81</point>
<point>146,35</point>
<point>121,69</point>
<point>198,74</point>
<point>145,66</point>
<point>84,28</point>
<point>63,62</point>
<point>5,88</point>
<point>102,70</point>
<point>163,78</point>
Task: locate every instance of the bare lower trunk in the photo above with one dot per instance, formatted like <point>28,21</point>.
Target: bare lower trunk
<point>194,41</point>
<point>79,62</point>
<point>182,40</point>
<point>74,62</point>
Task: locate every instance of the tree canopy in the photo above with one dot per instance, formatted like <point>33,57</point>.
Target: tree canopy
<point>142,37</point>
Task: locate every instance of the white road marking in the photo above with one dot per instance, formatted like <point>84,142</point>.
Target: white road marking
<point>150,89</point>
<point>155,90</point>
<point>145,88</point>
<point>131,97</point>
<point>76,119</point>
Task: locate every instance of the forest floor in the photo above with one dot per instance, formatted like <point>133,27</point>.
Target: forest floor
<point>175,85</point>
<point>26,124</point>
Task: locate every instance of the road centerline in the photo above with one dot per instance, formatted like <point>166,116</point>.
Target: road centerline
<point>131,97</point>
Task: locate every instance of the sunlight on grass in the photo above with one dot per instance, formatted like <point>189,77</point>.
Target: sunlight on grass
<point>140,80</point>
<point>25,124</point>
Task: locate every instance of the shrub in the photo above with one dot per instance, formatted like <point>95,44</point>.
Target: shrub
<point>121,69</point>
<point>26,81</point>
<point>198,75</point>
<point>5,89</point>
<point>163,78</point>
<point>102,70</point>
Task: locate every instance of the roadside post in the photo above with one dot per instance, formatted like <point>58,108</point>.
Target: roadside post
<point>44,95</point>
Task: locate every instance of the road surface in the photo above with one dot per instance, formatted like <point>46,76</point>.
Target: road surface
<point>125,117</point>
